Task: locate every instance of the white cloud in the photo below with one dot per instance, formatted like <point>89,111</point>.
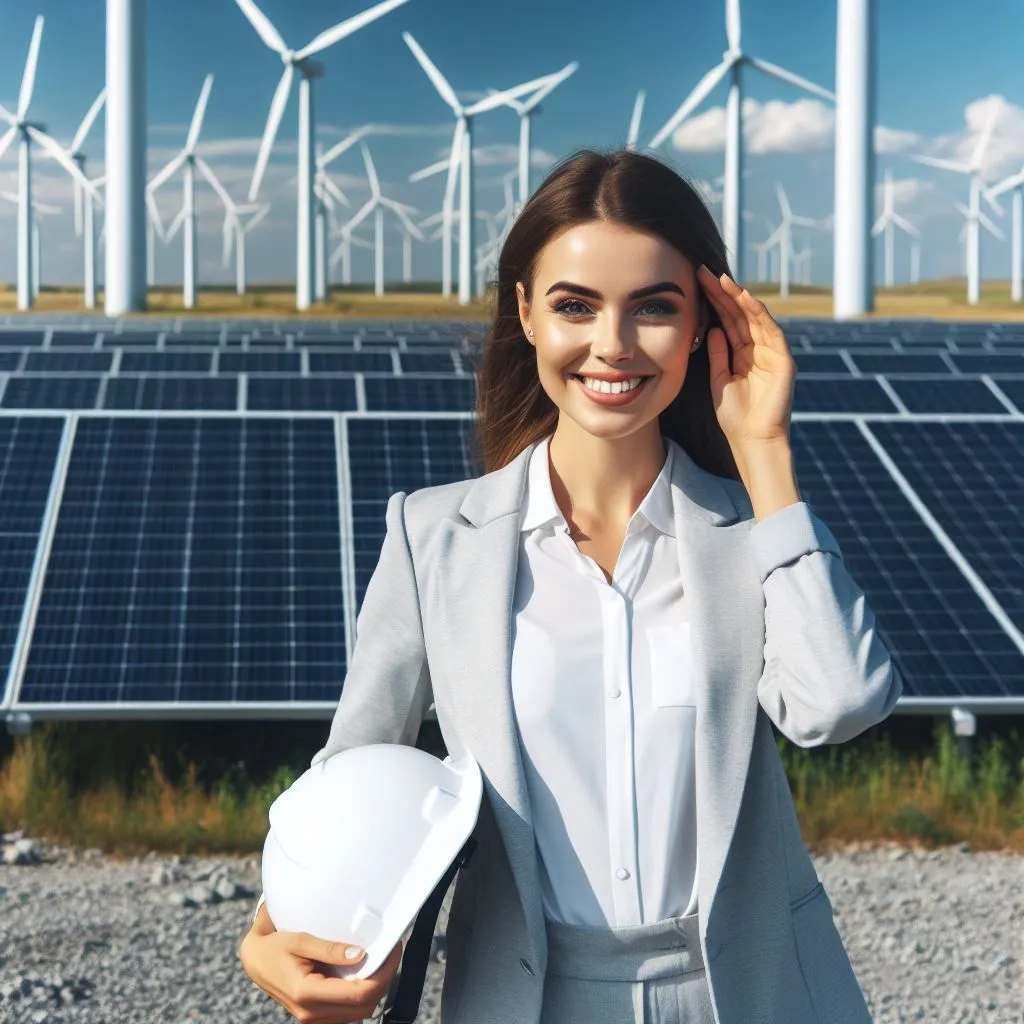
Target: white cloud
<point>1005,152</point>
<point>772,127</point>
<point>895,140</point>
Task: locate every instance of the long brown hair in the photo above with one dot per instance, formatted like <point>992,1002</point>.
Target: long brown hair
<point>512,408</point>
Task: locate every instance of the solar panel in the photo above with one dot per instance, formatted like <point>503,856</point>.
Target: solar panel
<point>166,362</point>
<point>388,455</point>
<point>897,363</point>
<point>9,361</point>
<point>820,362</point>
<point>943,639</point>
<point>937,395</point>
<point>194,560</point>
<point>260,362</point>
<point>301,394</point>
<point>420,394</point>
<point>68,362</point>
<point>852,395</point>
<point>28,450</point>
<point>51,392</point>
<point>969,476</point>
<point>1013,389</point>
<point>201,394</point>
<point>988,363</point>
<point>21,339</point>
<point>72,339</point>
<point>427,362</point>
<point>350,362</point>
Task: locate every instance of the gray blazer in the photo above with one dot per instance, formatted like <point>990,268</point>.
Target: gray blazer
<point>797,648</point>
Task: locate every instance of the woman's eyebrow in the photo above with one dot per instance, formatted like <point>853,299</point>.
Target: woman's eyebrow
<point>652,289</point>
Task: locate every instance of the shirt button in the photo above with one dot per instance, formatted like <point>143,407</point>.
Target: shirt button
<point>614,693</point>
<point>622,873</point>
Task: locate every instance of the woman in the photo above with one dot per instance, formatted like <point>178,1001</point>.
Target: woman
<point>609,620</point>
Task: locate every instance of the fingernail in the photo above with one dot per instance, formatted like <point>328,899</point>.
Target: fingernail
<point>353,952</point>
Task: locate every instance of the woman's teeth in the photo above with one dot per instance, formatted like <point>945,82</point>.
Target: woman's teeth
<point>608,387</point>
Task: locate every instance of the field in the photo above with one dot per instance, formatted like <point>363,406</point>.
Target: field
<point>940,299</point>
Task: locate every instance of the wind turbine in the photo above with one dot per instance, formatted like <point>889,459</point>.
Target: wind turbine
<point>37,208</point>
<point>1014,183</point>
<point>343,252</point>
<point>733,62</point>
<point>886,222</point>
<point>27,133</point>
<point>235,234</point>
<point>524,108</point>
<point>460,162</point>
<point>375,205</point>
<point>634,121</point>
<point>983,221</point>
<point>75,152</point>
<point>299,60</point>
<point>190,160</point>
<point>783,235</point>
<point>973,168</point>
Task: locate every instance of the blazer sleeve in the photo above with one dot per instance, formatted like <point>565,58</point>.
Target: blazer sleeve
<point>387,688</point>
<point>828,675</point>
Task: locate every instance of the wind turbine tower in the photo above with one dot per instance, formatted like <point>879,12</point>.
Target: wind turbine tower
<point>125,276</point>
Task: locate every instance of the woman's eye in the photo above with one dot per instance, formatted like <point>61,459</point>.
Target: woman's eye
<point>565,307</point>
<point>660,306</point>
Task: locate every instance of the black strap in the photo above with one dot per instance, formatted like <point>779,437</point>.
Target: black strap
<point>403,1001</point>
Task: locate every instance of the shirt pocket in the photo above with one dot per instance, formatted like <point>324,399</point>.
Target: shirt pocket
<point>673,680</point>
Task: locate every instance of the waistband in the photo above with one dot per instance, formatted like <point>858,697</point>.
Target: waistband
<point>636,953</point>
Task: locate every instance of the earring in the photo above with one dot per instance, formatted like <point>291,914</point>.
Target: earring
<point>530,332</point>
<point>696,343</point>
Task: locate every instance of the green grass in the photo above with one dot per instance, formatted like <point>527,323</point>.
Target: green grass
<point>105,785</point>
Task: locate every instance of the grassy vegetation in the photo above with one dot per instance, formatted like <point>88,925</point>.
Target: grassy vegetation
<point>132,787</point>
<point>940,299</point>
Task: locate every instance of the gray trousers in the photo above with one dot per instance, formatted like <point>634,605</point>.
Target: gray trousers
<point>649,974</point>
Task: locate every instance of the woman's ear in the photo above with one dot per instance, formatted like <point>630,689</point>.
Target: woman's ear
<point>524,310</point>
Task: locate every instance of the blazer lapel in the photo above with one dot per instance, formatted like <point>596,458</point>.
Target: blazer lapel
<point>477,586</point>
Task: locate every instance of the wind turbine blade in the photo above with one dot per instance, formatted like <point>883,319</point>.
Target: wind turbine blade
<point>10,197</point>
<point>498,98</point>
<point>154,216</point>
<point>986,134</point>
<point>403,217</point>
<point>28,79</point>
<point>228,239</point>
<point>983,218</point>
<point>7,138</point>
<point>197,117</point>
<point>703,87</point>
<point>440,82</point>
<point>783,201</point>
<point>44,207</point>
<point>87,122</point>
<point>339,147</point>
<point>787,76</point>
<point>946,165</point>
<point>176,225</point>
<point>166,171</point>
<point>732,24</point>
<point>324,197</point>
<point>906,225</point>
<point>426,172</point>
<point>207,173</point>
<point>1005,185</point>
<point>346,28</point>
<point>455,160</point>
<point>54,148</point>
<point>434,218</point>
<point>365,212</point>
<point>261,23</point>
<point>879,224</point>
<point>553,82</point>
<point>277,105</point>
<point>330,186</point>
<point>961,208</point>
<point>634,121</point>
<point>992,201</point>
<point>371,171</point>
<point>257,217</point>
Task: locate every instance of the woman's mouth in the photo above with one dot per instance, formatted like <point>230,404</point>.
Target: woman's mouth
<point>611,393</point>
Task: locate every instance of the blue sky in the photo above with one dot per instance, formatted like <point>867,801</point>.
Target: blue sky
<point>937,70</point>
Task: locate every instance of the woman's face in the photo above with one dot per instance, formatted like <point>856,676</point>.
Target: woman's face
<point>612,309</point>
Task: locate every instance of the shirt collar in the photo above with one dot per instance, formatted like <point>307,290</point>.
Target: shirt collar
<point>541,508</point>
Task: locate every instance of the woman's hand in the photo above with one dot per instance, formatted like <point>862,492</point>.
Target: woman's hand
<point>754,403</point>
<point>284,964</point>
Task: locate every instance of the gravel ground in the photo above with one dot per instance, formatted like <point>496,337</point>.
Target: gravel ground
<point>933,936</point>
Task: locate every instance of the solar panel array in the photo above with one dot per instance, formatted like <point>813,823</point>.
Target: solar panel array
<point>190,511</point>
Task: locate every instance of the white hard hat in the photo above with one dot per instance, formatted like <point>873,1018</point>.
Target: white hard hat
<point>359,841</point>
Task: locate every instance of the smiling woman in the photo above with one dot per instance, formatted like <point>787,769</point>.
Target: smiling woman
<point>609,245</point>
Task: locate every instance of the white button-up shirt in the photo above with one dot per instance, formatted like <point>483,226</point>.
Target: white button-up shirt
<point>604,701</point>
